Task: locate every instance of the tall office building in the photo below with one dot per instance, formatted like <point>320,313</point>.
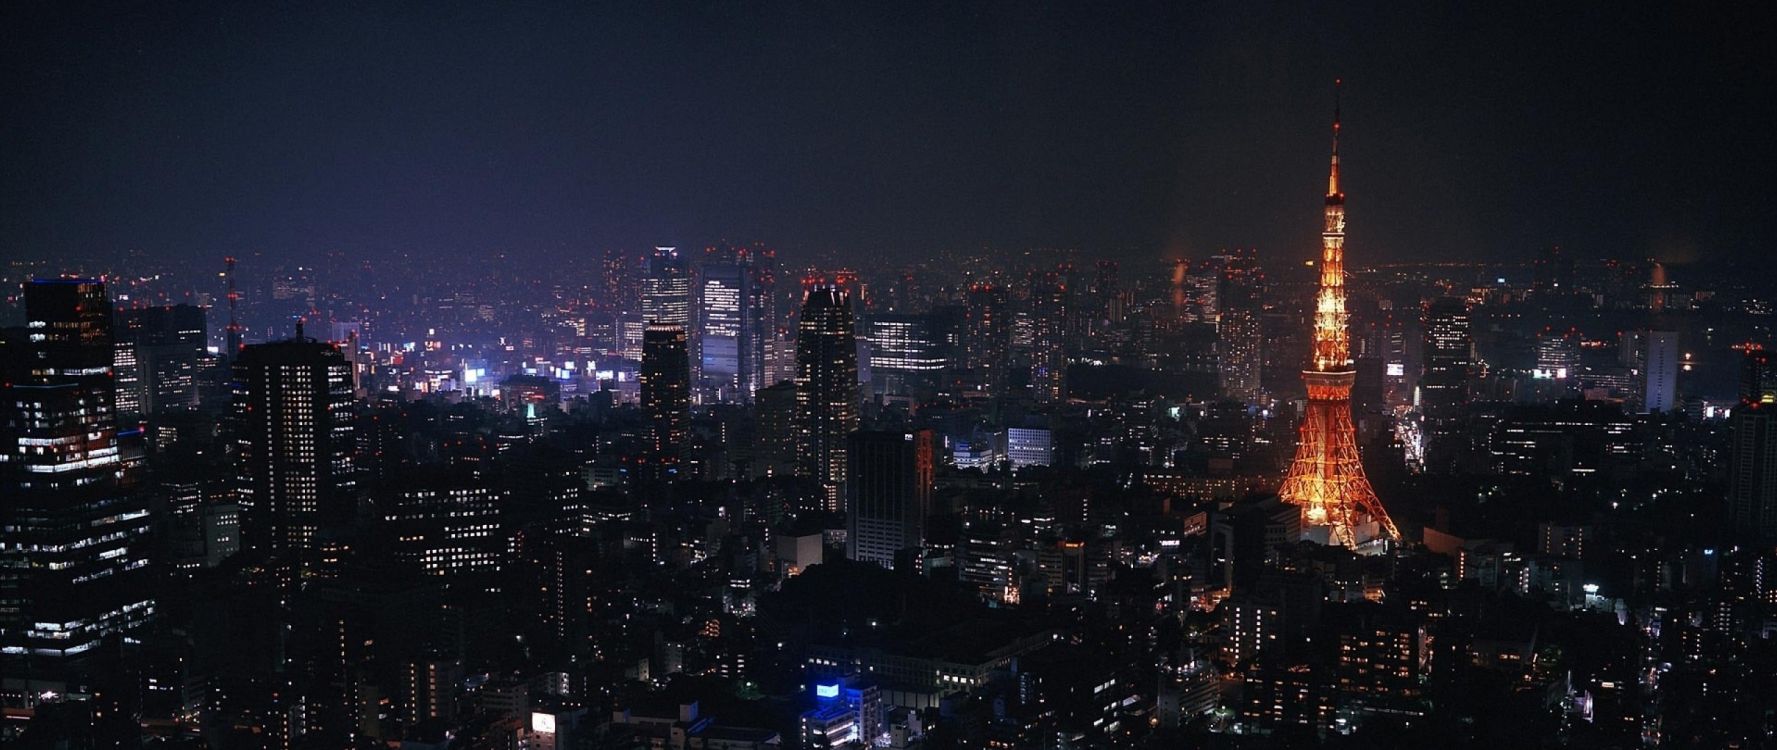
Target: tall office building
<point>826,387</point>
<point>666,289</point>
<point>1752,460</point>
<point>294,465</point>
<point>888,492</point>
<point>1557,354</point>
<point>727,362</point>
<point>1444,388</point>
<point>987,334</point>
<point>74,525</point>
<point>666,394</point>
<point>1659,392</point>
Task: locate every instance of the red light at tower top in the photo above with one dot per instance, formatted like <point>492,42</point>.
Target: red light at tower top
<point>1326,477</point>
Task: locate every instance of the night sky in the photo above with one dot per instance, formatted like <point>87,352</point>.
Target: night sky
<point>1474,130</point>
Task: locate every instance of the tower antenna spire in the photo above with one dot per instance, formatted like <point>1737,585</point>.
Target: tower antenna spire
<point>1333,175</point>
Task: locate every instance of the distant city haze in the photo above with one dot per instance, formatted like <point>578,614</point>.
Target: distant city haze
<point>1135,130</point>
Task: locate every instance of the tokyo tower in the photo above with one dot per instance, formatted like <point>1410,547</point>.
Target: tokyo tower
<point>1326,478</point>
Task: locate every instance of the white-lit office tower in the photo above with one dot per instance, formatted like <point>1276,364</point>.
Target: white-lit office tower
<point>1557,354</point>
<point>722,333</point>
<point>74,525</point>
<point>666,289</point>
<point>907,353</point>
<point>734,312</point>
<point>888,492</point>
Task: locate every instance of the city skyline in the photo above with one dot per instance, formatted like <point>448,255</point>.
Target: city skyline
<point>886,377</point>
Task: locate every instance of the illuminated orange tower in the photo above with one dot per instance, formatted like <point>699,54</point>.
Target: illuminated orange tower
<point>1326,477</point>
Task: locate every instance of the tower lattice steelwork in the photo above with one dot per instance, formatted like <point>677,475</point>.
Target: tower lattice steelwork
<point>1326,478</point>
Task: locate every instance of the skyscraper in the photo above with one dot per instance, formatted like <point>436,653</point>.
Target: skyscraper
<point>1049,315</point>
<point>1444,388</point>
<point>1239,348</point>
<point>666,289</point>
<point>74,525</point>
<point>1752,460</point>
<point>888,492</point>
<point>1326,478</point>
<point>666,394</point>
<point>826,386</point>
<point>774,434</point>
<point>725,332</point>
<point>987,333</point>
<point>294,466</point>
<point>1659,390</point>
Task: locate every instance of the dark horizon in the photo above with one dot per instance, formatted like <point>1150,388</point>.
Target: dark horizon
<point>1141,131</point>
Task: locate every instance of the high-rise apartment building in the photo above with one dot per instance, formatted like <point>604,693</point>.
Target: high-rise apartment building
<point>1048,351</point>
<point>1239,340</point>
<point>294,462</point>
<point>826,386</point>
<point>74,525</point>
<point>888,492</point>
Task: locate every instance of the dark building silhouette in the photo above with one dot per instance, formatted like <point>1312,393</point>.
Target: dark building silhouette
<point>294,465</point>
<point>666,393</point>
<point>888,492</point>
<point>74,525</point>
<point>826,387</point>
<point>1444,389</point>
<point>774,446</point>
<point>1752,460</point>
